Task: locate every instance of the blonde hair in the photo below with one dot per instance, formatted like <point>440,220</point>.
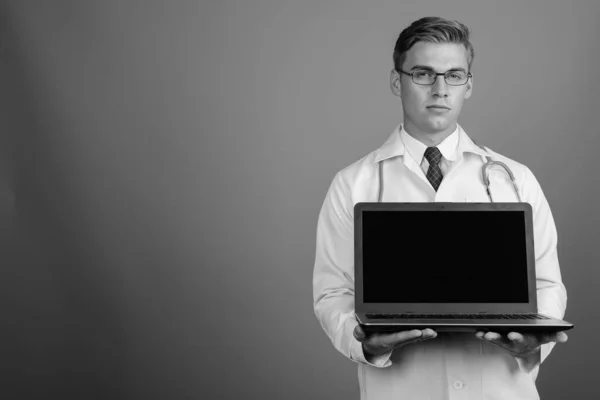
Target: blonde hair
<point>432,30</point>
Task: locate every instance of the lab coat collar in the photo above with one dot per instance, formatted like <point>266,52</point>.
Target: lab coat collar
<point>394,147</point>
<point>467,145</point>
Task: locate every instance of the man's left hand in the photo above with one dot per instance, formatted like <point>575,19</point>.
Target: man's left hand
<point>522,344</point>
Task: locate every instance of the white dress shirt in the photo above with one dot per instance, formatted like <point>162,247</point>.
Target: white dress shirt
<point>453,365</point>
<point>416,149</point>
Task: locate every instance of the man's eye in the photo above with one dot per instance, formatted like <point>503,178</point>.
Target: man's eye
<point>422,74</point>
<point>456,75</point>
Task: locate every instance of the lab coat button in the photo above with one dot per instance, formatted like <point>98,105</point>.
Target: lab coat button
<point>457,385</point>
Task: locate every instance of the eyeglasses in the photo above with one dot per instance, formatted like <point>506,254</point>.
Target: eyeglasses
<point>427,77</point>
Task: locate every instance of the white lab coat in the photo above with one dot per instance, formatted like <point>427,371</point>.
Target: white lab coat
<point>454,365</point>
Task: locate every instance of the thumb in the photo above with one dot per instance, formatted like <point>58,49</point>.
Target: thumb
<point>359,334</point>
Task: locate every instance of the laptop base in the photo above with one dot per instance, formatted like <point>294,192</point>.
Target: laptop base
<point>469,326</point>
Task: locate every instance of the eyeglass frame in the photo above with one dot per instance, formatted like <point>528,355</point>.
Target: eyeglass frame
<point>469,75</point>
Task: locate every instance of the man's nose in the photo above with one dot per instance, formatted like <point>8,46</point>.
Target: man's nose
<point>440,87</point>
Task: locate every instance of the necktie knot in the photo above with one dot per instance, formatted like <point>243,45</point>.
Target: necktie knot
<point>433,155</point>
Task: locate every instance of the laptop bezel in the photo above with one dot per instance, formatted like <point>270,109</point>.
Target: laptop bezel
<point>362,307</point>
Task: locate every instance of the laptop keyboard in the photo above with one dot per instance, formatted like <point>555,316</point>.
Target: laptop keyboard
<point>456,316</point>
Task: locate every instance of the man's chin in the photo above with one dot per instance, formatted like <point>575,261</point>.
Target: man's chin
<point>437,125</point>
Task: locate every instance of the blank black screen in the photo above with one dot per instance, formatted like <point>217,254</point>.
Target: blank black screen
<point>444,257</point>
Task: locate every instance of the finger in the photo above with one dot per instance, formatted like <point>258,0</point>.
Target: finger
<point>397,338</point>
<point>405,336</point>
<point>561,337</point>
<point>558,337</point>
<point>359,334</point>
<point>524,342</point>
<point>391,340</point>
<point>428,334</point>
<point>517,338</point>
<point>497,338</point>
<point>534,340</point>
<point>492,336</point>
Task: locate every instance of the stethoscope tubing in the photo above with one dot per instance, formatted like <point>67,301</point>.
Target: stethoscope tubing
<point>486,177</point>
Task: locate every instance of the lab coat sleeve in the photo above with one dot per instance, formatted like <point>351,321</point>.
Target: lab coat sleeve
<point>551,293</point>
<point>333,275</point>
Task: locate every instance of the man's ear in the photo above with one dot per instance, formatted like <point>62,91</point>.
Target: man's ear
<point>395,82</point>
<point>469,88</point>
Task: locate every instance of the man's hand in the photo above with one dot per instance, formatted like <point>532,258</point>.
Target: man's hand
<point>381,343</point>
<point>522,344</point>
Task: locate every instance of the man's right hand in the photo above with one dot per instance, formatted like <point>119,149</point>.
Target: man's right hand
<point>382,343</point>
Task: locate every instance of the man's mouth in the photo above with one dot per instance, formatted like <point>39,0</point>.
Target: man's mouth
<point>435,106</point>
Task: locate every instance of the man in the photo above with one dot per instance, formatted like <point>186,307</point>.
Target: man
<point>430,158</point>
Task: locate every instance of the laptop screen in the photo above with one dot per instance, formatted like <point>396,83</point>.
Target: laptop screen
<point>444,257</point>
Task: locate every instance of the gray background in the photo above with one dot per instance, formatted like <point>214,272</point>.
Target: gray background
<point>163,165</point>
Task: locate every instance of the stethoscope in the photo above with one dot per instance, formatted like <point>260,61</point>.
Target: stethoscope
<point>484,177</point>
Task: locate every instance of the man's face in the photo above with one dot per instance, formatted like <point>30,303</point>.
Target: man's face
<point>433,108</point>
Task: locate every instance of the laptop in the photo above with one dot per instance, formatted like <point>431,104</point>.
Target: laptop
<point>454,267</point>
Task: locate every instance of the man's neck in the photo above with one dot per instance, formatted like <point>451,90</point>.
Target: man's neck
<point>429,139</point>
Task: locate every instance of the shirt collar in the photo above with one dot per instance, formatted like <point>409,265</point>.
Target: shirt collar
<point>394,146</point>
<point>448,147</point>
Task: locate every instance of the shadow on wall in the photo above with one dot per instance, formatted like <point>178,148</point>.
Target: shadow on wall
<point>61,330</point>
